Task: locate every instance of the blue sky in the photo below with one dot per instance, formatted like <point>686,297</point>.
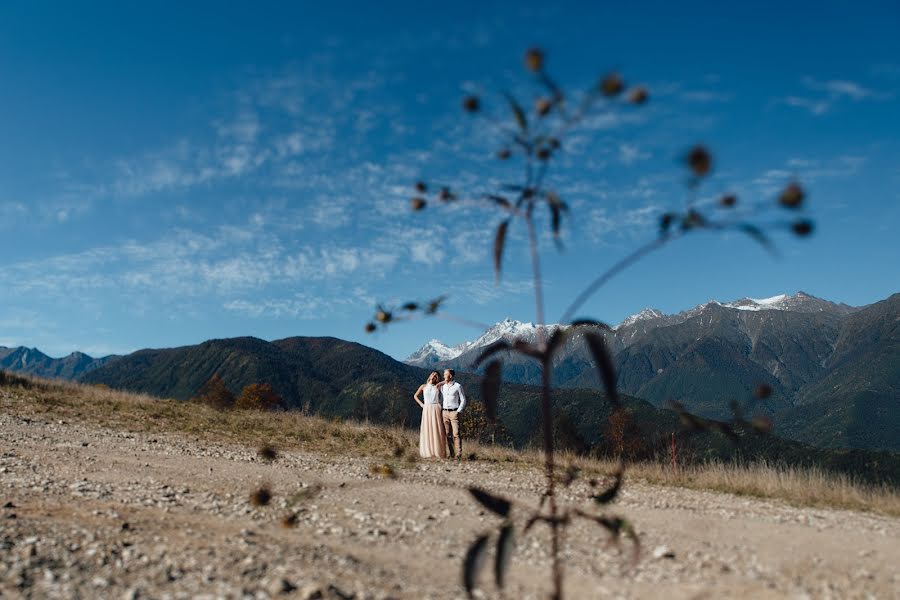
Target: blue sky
<point>173,174</point>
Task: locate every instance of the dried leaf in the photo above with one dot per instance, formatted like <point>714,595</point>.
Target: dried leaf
<point>610,494</point>
<point>490,389</point>
<point>617,526</point>
<point>505,546</point>
<point>261,496</point>
<point>498,346</point>
<point>499,200</point>
<point>267,452</point>
<point>289,521</point>
<point>692,220</point>
<point>557,206</point>
<point>591,323</point>
<point>762,391</point>
<point>554,219</point>
<point>761,423</point>
<point>435,304</point>
<point>383,470</point>
<point>572,473</point>
<point>445,195</point>
<point>473,563</point>
<point>603,359</point>
<point>665,223</point>
<point>688,419</point>
<point>758,235</point>
<point>518,113</point>
<point>728,200</point>
<point>417,203</point>
<point>499,242</point>
<point>495,504</point>
<point>556,339</point>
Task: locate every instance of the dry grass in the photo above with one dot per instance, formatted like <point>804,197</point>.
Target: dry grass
<point>29,397</point>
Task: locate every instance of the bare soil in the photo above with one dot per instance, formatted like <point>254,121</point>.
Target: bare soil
<point>95,512</point>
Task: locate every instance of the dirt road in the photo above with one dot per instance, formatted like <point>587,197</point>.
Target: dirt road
<point>96,513</point>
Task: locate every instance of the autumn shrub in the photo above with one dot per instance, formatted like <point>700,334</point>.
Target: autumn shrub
<point>215,393</point>
<point>258,396</point>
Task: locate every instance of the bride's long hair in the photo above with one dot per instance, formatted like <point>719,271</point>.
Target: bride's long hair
<point>434,375</point>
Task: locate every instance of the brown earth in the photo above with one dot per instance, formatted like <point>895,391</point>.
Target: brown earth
<point>94,512</point>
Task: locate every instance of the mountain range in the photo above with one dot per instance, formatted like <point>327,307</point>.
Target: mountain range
<point>833,370</point>
<point>34,362</point>
<point>341,379</point>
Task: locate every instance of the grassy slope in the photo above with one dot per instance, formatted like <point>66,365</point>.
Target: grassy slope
<point>34,398</point>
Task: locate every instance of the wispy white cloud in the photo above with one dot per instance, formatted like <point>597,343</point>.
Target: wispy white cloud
<point>825,94</point>
<point>706,96</point>
<point>631,153</point>
<point>601,222</point>
<point>484,291</point>
<point>303,306</point>
<point>230,261</point>
<point>806,170</point>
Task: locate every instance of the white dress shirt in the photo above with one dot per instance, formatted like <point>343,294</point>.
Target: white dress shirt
<point>453,397</point>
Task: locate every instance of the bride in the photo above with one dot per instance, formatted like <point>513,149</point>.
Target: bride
<point>432,436</point>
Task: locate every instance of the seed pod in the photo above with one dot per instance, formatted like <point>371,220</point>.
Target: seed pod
<point>542,106</point>
<point>762,391</point>
<point>417,203</point>
<point>802,228</point>
<point>383,316</point>
<point>728,201</point>
<point>612,85</point>
<point>471,104</point>
<point>503,153</point>
<point>699,160</point>
<point>792,196</point>
<point>421,187</point>
<point>638,95</point>
<point>370,327</point>
<point>534,59</point>
<point>543,153</point>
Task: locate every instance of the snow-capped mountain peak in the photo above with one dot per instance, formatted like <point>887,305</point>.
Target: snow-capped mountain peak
<point>647,313</point>
<point>630,329</point>
<point>778,302</point>
<point>432,352</point>
<point>436,351</point>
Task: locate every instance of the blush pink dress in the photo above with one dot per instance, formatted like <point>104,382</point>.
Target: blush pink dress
<point>432,437</point>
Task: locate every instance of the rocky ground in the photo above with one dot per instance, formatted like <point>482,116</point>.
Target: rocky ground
<point>89,512</point>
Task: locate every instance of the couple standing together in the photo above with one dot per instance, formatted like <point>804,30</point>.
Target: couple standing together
<point>441,402</point>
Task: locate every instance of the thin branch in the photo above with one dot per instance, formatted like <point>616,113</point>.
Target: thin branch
<point>538,281</point>
<point>463,321</point>
<point>604,277</point>
<point>446,317</point>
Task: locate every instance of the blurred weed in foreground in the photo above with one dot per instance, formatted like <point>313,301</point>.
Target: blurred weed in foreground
<point>536,137</point>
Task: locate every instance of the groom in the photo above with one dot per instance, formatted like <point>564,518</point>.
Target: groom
<point>453,401</point>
